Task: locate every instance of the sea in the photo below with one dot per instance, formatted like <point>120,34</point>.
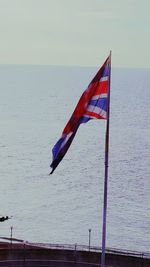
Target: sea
<point>35,104</point>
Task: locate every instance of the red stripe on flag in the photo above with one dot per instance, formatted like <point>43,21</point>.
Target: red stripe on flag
<point>102,88</point>
<point>95,115</point>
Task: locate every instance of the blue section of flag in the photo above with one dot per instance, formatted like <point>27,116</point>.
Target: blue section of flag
<point>101,103</point>
<point>84,119</point>
<point>106,71</point>
<point>57,147</point>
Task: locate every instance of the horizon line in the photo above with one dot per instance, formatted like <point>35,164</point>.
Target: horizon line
<point>66,66</point>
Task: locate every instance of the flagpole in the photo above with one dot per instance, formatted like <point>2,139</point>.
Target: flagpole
<point>106,174</point>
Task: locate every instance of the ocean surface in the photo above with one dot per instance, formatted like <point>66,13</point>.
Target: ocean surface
<point>35,104</point>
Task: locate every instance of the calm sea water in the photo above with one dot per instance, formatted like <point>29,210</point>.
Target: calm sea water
<point>35,104</point>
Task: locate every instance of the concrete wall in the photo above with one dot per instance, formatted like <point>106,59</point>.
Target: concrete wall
<point>35,256</point>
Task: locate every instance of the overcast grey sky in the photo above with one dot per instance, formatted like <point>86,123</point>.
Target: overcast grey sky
<point>75,32</point>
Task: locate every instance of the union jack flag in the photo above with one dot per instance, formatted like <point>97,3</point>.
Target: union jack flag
<point>93,104</point>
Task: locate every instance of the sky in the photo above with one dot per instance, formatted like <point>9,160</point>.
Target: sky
<point>75,33</point>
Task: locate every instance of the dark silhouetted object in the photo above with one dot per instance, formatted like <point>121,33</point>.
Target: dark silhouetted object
<point>2,219</point>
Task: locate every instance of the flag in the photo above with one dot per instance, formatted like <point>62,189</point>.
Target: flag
<point>93,104</point>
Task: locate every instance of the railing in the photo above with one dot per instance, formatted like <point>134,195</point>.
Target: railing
<point>80,248</point>
<point>77,247</point>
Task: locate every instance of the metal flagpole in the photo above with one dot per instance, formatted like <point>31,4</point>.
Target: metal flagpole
<point>106,174</point>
